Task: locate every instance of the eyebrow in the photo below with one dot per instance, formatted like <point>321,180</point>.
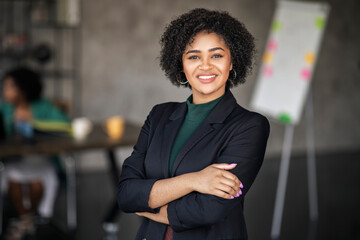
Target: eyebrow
<point>210,50</point>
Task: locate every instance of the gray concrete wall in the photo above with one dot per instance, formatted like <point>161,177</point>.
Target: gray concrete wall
<point>121,75</point>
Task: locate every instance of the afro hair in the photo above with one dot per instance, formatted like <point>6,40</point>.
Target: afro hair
<point>182,31</point>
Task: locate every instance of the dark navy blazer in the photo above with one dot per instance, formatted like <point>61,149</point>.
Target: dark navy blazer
<point>230,134</point>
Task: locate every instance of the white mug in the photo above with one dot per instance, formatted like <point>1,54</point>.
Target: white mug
<point>81,128</point>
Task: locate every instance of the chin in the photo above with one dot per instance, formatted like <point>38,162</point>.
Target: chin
<point>207,90</point>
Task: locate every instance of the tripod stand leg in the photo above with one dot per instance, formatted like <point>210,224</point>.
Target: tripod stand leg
<point>1,197</point>
<point>282,181</point>
<point>311,161</point>
<point>71,192</point>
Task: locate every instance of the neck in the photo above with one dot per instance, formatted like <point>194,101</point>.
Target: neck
<point>22,104</point>
<point>199,98</point>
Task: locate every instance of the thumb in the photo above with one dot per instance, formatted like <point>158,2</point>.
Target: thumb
<point>225,166</point>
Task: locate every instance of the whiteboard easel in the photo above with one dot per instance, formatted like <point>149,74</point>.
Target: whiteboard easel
<point>283,87</point>
<point>284,171</point>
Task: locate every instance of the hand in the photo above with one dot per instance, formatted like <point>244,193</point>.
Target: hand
<point>218,181</point>
<point>23,114</point>
<point>160,217</point>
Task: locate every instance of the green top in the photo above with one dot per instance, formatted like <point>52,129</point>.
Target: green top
<point>195,115</point>
<point>45,116</point>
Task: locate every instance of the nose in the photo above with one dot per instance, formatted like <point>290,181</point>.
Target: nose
<point>205,65</point>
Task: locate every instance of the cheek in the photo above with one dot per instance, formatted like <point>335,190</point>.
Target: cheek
<point>188,69</point>
<point>10,95</point>
<point>224,67</point>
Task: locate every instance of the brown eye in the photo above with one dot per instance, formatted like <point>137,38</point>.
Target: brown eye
<point>193,57</point>
<point>217,56</point>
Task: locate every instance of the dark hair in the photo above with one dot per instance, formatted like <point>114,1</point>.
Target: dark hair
<point>27,81</point>
<point>182,31</point>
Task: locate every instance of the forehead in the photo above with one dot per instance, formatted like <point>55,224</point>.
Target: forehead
<point>9,80</point>
<point>206,40</point>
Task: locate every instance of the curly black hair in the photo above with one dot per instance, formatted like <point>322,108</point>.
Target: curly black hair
<point>182,31</point>
<point>27,81</point>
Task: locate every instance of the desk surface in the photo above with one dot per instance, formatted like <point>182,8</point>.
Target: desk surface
<point>97,139</point>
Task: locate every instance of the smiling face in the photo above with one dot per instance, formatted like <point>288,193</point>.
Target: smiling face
<point>206,64</point>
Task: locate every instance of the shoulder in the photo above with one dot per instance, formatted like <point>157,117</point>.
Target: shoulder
<point>45,109</point>
<point>6,108</point>
<point>42,103</point>
<point>165,109</point>
<point>166,106</point>
<point>5,105</point>
<point>253,117</point>
<point>41,106</point>
<point>250,120</point>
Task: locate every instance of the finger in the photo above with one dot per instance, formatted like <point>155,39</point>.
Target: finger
<point>222,194</point>
<point>228,189</point>
<point>232,184</point>
<point>232,177</point>
<point>225,166</point>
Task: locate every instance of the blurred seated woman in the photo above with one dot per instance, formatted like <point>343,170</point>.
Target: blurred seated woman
<point>32,180</point>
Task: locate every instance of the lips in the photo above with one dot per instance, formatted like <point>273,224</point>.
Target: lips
<point>206,78</point>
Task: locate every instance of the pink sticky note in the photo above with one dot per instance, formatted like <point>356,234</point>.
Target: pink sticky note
<point>268,71</point>
<point>305,74</point>
<point>272,45</point>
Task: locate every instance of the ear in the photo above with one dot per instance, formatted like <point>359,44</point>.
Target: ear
<point>231,66</point>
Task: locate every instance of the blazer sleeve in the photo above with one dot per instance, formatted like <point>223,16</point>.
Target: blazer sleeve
<point>134,187</point>
<point>247,149</point>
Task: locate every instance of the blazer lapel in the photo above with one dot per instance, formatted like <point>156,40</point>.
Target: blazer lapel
<point>213,121</point>
<point>171,130</point>
<point>204,129</point>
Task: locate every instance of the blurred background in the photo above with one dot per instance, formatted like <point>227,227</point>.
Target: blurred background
<point>101,59</point>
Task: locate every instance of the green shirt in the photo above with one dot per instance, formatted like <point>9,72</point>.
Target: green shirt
<point>45,116</point>
<point>195,115</point>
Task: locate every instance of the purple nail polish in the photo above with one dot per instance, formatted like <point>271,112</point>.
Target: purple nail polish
<point>241,185</point>
<point>239,193</point>
<point>233,164</point>
<point>232,197</point>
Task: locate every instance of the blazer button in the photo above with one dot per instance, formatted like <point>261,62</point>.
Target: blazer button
<point>144,239</point>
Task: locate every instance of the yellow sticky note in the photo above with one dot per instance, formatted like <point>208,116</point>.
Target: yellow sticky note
<point>309,58</point>
<point>267,57</point>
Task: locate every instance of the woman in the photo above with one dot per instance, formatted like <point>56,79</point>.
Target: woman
<point>195,161</point>
<point>31,181</point>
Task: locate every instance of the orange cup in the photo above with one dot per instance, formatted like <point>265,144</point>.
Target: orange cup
<point>114,127</point>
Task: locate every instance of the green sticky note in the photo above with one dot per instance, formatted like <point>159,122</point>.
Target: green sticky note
<point>320,22</point>
<point>285,118</point>
<point>276,26</point>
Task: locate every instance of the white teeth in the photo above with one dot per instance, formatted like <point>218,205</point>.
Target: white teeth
<point>206,77</point>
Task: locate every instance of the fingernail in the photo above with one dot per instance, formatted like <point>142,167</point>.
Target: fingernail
<point>241,185</point>
<point>233,164</point>
<point>232,197</point>
<point>239,193</point>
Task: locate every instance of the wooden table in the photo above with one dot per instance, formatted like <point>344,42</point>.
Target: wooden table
<point>65,147</point>
<point>47,144</point>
